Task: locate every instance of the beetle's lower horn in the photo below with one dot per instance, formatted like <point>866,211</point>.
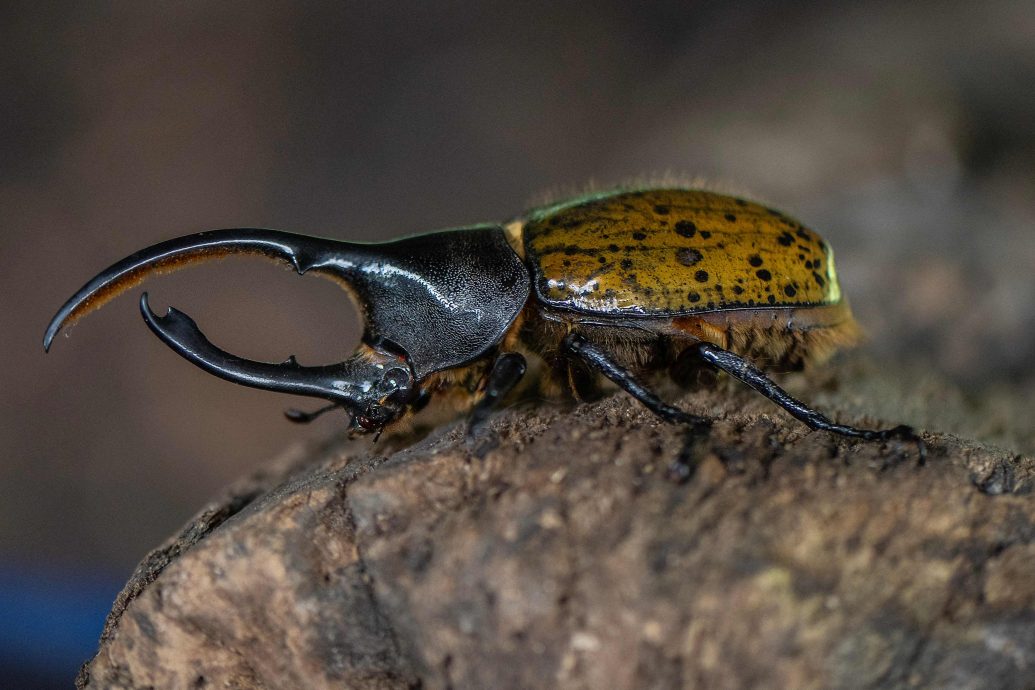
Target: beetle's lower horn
<point>301,252</point>
<point>335,382</point>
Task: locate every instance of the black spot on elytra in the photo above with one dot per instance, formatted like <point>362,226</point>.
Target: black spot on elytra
<point>772,299</point>
<point>764,274</point>
<point>566,263</point>
<point>808,264</point>
<point>818,278</point>
<point>572,249</point>
<point>701,276</point>
<point>602,259</point>
<point>786,239</point>
<point>737,290</point>
<point>705,234</point>
<point>718,287</point>
<point>661,209</point>
<point>688,256</point>
<point>789,290</point>
<point>613,247</point>
<point>730,217</point>
<point>802,234</point>
<point>801,256</point>
<point>693,296</point>
<point>626,264</point>
<point>755,260</point>
<point>639,236</point>
<point>685,228</point>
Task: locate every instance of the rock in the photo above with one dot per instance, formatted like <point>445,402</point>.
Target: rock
<point>555,553</point>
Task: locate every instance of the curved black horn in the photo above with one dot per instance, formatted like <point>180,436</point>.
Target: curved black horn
<point>301,252</point>
<point>338,383</point>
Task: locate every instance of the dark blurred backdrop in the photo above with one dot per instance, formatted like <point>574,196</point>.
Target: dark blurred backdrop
<point>902,131</point>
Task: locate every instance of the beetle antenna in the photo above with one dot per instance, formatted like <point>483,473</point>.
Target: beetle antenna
<point>300,417</point>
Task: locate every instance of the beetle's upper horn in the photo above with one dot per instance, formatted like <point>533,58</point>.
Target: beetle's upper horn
<point>303,253</point>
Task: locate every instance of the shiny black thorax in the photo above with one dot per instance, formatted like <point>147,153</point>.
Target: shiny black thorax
<point>445,298</point>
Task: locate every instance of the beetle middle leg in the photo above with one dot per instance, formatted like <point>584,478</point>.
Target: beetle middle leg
<point>597,359</point>
<point>744,371</point>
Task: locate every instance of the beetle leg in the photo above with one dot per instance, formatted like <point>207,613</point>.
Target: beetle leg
<point>682,468</point>
<point>744,371</point>
<point>506,372</point>
<point>598,360</point>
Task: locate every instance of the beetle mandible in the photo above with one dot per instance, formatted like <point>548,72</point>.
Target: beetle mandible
<point>620,284</point>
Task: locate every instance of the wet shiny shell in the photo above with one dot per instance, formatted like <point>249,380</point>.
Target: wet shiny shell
<point>674,251</point>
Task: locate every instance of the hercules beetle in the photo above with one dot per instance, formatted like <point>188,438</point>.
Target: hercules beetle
<point>620,284</point>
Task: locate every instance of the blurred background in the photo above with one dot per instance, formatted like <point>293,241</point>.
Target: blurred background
<point>902,131</point>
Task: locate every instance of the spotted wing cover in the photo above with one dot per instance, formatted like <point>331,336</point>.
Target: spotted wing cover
<point>674,251</point>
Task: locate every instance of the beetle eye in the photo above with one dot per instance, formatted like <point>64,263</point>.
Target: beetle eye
<point>397,377</point>
<point>397,385</point>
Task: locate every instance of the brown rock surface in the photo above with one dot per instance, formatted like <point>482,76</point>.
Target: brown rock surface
<point>560,556</point>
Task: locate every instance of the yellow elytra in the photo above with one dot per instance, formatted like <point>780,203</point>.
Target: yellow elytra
<point>694,263</point>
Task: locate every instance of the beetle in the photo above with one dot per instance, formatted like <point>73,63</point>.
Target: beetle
<point>615,285</point>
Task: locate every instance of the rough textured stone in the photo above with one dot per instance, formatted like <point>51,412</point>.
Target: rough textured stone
<point>555,553</point>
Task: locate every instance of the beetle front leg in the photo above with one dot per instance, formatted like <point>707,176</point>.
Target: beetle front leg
<point>507,371</point>
<point>744,371</point>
